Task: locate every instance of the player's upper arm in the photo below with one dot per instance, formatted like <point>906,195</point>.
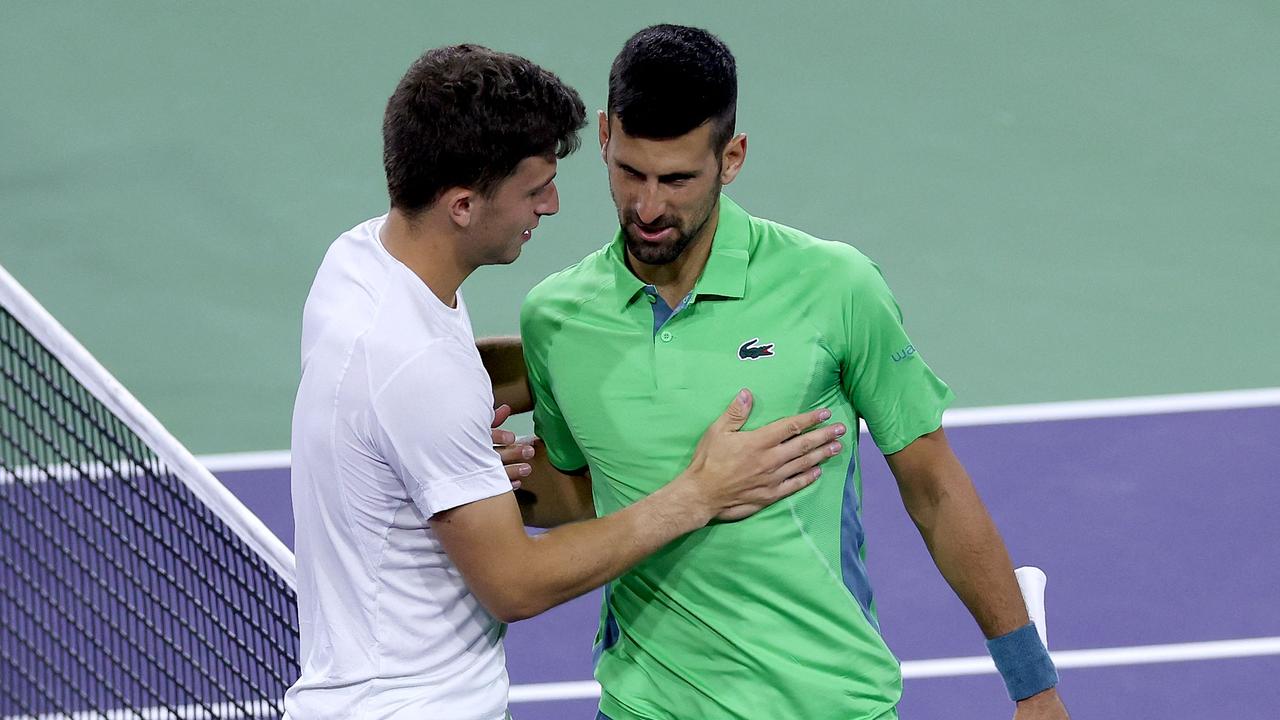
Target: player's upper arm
<point>432,418</point>
<point>926,470</point>
<point>487,542</point>
<point>883,373</point>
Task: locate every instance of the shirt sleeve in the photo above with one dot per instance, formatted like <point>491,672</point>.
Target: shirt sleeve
<point>884,375</point>
<point>433,416</point>
<point>548,422</point>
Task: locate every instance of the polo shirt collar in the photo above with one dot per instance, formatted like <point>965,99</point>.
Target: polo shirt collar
<point>725,274</point>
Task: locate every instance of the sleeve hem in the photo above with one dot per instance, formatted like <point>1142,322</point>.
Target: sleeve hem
<point>898,441</point>
<point>447,494</point>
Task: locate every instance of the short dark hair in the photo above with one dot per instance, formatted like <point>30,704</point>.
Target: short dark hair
<point>670,79</point>
<point>465,116</point>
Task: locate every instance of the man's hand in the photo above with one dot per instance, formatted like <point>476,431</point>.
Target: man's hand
<point>735,473</point>
<point>1041,706</point>
<point>515,456</point>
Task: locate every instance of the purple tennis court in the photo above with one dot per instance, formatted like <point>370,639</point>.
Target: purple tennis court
<point>1158,533</point>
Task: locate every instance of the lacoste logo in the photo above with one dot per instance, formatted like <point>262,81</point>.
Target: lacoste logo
<point>904,353</point>
<point>750,351</point>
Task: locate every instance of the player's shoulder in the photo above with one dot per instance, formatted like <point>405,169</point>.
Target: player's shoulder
<point>347,287</point>
<point>802,253</point>
<point>356,245</point>
<point>432,366</point>
<point>559,293</point>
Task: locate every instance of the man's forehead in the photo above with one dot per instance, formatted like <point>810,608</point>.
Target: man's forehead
<point>535,169</point>
<point>689,151</point>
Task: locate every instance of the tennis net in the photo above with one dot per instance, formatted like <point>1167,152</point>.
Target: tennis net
<point>132,583</point>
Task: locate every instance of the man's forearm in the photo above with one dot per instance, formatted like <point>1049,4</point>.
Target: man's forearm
<point>967,548</point>
<point>618,541</point>
<point>517,576</point>
<point>970,554</point>
<point>503,359</point>
<point>959,533</point>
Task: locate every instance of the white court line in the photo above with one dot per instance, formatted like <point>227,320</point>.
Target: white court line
<point>233,462</point>
<point>1113,407</point>
<point>982,665</point>
<point>957,417</point>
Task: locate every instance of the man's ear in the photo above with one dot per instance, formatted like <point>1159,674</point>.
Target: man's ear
<point>459,202</point>
<point>604,132</point>
<point>735,154</point>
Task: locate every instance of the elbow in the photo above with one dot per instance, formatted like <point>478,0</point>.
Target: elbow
<point>512,614</point>
<point>514,606</point>
<point>923,508</point>
<point>513,611</point>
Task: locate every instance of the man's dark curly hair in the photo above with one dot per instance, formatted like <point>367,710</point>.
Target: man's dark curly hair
<point>670,79</point>
<point>465,116</point>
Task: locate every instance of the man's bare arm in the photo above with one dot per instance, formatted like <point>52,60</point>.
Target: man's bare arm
<point>503,359</point>
<point>549,497</point>
<point>732,475</point>
<point>965,545</point>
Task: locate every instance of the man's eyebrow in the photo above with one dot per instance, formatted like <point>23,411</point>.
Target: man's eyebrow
<point>548,180</point>
<point>669,177</point>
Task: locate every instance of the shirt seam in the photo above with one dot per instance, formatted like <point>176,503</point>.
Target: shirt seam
<point>394,374</point>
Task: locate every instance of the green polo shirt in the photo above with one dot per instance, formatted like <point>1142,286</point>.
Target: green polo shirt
<point>770,617</point>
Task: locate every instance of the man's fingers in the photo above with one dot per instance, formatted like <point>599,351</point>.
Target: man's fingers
<point>809,460</point>
<point>801,444</point>
<point>789,486</point>
<point>517,472</point>
<point>515,453</point>
<point>739,410</point>
<point>779,430</point>
<point>513,456</point>
<point>500,414</point>
<point>796,483</point>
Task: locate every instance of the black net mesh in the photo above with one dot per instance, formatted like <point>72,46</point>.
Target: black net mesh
<point>121,594</point>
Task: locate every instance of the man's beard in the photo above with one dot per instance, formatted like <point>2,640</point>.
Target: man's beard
<point>651,253</point>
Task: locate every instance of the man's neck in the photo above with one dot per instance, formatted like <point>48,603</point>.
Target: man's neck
<point>676,279</point>
<point>428,250</point>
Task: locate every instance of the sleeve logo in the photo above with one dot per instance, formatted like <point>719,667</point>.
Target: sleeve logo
<point>904,353</point>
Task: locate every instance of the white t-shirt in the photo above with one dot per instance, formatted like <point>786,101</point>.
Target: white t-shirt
<point>391,424</point>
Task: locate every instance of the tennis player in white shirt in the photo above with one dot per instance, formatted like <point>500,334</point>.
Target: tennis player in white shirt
<point>411,547</point>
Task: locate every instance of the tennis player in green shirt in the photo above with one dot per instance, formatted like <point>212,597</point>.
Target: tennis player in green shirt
<point>628,354</point>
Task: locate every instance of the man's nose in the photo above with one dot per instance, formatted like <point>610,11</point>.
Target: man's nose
<point>552,204</point>
<point>649,206</point>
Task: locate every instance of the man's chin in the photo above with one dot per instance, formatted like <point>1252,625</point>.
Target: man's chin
<point>510,257</point>
<point>651,254</point>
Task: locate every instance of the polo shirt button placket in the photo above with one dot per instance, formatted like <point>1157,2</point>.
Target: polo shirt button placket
<point>666,336</point>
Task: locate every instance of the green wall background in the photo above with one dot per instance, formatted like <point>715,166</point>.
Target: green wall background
<point>1071,199</point>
